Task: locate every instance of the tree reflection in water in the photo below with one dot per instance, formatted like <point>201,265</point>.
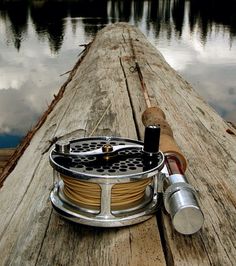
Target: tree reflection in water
<point>47,16</point>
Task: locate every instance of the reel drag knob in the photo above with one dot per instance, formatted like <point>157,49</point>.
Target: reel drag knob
<point>62,147</point>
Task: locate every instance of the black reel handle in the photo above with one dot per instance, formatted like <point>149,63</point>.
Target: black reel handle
<point>152,139</point>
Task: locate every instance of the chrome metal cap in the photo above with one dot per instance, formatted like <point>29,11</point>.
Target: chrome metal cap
<point>187,217</point>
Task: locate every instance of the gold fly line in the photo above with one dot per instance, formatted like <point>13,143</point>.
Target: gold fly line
<point>86,193</point>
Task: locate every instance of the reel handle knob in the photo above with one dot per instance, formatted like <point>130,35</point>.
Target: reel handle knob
<point>152,139</point>
<point>155,116</point>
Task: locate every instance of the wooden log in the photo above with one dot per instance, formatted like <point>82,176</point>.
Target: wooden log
<point>5,156</point>
<point>6,153</point>
<point>105,85</point>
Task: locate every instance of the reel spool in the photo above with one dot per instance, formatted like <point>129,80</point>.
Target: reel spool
<point>107,181</point>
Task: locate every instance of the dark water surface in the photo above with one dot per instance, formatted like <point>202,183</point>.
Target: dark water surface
<point>39,40</point>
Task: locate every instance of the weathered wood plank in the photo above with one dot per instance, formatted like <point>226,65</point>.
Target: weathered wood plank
<point>30,232</point>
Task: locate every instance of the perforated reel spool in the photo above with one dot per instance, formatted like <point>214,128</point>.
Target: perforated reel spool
<point>105,181</point>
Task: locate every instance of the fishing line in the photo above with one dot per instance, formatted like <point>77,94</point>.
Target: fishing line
<point>89,194</point>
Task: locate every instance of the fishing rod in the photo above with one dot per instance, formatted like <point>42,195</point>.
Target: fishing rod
<point>180,198</point>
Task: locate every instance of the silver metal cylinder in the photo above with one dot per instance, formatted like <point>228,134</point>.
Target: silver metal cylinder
<point>181,203</point>
<point>186,215</point>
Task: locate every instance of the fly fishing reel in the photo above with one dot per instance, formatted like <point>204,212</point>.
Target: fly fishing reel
<point>114,182</point>
<point>107,181</point>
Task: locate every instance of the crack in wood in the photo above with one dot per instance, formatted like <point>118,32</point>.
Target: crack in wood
<point>166,249</point>
<point>44,237</point>
<point>205,249</point>
<point>222,245</point>
<point>130,242</point>
<point>124,42</point>
<point>130,100</point>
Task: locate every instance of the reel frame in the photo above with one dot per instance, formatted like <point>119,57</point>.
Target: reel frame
<point>106,217</point>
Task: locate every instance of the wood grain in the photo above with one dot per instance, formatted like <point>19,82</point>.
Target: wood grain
<point>211,151</point>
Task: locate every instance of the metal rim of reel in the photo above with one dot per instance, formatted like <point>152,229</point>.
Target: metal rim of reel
<point>115,219</point>
<point>104,178</point>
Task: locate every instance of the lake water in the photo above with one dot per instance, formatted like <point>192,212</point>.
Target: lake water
<point>39,40</point>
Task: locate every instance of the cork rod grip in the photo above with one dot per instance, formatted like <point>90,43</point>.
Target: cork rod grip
<point>155,116</point>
